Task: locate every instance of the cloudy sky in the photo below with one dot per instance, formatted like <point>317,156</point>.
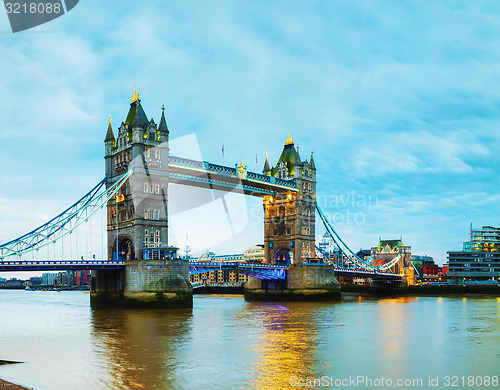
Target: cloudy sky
<point>400,102</point>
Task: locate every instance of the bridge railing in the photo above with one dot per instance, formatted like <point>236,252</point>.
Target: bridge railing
<point>229,171</point>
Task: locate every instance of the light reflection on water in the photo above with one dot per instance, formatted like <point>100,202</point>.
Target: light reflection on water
<point>225,342</point>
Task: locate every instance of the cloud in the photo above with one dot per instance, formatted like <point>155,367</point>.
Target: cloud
<point>400,102</point>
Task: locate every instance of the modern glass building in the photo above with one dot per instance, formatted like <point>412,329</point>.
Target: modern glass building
<point>480,257</point>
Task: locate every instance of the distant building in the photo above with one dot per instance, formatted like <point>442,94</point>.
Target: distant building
<point>426,269</point>
<point>219,276</point>
<point>480,257</point>
<point>386,252</point>
<point>82,277</point>
<point>364,254</point>
<point>255,253</point>
<point>327,247</point>
<point>48,279</point>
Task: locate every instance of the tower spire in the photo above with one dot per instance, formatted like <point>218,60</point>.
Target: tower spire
<point>311,163</point>
<point>110,137</point>
<point>162,127</point>
<point>267,168</point>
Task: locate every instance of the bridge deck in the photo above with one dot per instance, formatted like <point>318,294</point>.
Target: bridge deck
<point>59,265</point>
<point>197,268</point>
<point>262,271</point>
<point>207,175</point>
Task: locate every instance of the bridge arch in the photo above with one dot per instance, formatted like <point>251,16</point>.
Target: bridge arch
<point>126,249</point>
<point>284,256</point>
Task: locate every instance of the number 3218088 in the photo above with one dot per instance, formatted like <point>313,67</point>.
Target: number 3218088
<point>33,8</point>
<point>470,381</point>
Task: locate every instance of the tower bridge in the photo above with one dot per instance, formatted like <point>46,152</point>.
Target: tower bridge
<point>142,269</point>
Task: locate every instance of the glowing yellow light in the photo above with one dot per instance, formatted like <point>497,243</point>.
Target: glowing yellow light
<point>136,96</point>
<point>289,141</point>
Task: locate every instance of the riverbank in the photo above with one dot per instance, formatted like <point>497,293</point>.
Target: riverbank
<point>426,290</point>
<point>4,385</point>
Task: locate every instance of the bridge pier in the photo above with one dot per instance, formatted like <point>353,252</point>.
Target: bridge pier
<point>302,283</point>
<point>145,284</point>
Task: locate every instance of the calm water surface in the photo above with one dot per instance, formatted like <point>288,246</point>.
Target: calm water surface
<point>227,343</point>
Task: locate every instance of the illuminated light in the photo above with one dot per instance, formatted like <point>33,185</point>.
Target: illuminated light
<point>359,298</point>
<point>289,141</point>
<point>136,96</point>
<point>289,196</point>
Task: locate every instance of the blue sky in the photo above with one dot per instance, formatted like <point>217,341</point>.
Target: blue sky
<point>400,102</point>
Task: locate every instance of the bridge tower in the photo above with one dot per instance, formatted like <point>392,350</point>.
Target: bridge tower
<point>138,219</point>
<point>289,219</point>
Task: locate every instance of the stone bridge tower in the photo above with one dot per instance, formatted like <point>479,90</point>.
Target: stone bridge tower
<point>137,216</point>
<point>138,219</point>
<point>289,220</point>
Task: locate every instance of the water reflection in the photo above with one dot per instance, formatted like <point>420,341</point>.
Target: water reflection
<point>227,343</point>
<point>137,349</point>
<point>286,346</point>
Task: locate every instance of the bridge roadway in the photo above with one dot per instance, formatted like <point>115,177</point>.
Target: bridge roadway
<point>59,265</point>
<point>207,175</point>
<point>263,271</point>
<point>260,271</point>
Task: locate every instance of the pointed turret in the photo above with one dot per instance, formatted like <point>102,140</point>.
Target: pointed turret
<point>162,127</point>
<point>139,119</point>
<point>311,162</point>
<point>110,136</point>
<point>136,116</point>
<point>288,157</point>
<point>267,169</point>
<point>109,141</point>
<point>298,161</point>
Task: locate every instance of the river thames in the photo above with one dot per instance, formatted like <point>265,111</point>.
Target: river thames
<point>225,342</point>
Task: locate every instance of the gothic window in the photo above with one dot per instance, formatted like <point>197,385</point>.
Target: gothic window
<point>282,210</point>
<point>275,232</point>
<point>157,215</point>
<point>146,186</point>
<point>157,188</point>
<point>288,230</point>
<point>281,230</point>
<point>136,137</point>
<point>147,153</point>
<point>146,236</point>
<point>157,237</point>
<point>309,186</point>
<point>157,154</point>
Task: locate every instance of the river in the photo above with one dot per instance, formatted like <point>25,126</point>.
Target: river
<point>227,343</point>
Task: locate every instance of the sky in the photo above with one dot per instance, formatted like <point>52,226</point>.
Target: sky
<point>400,102</point>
